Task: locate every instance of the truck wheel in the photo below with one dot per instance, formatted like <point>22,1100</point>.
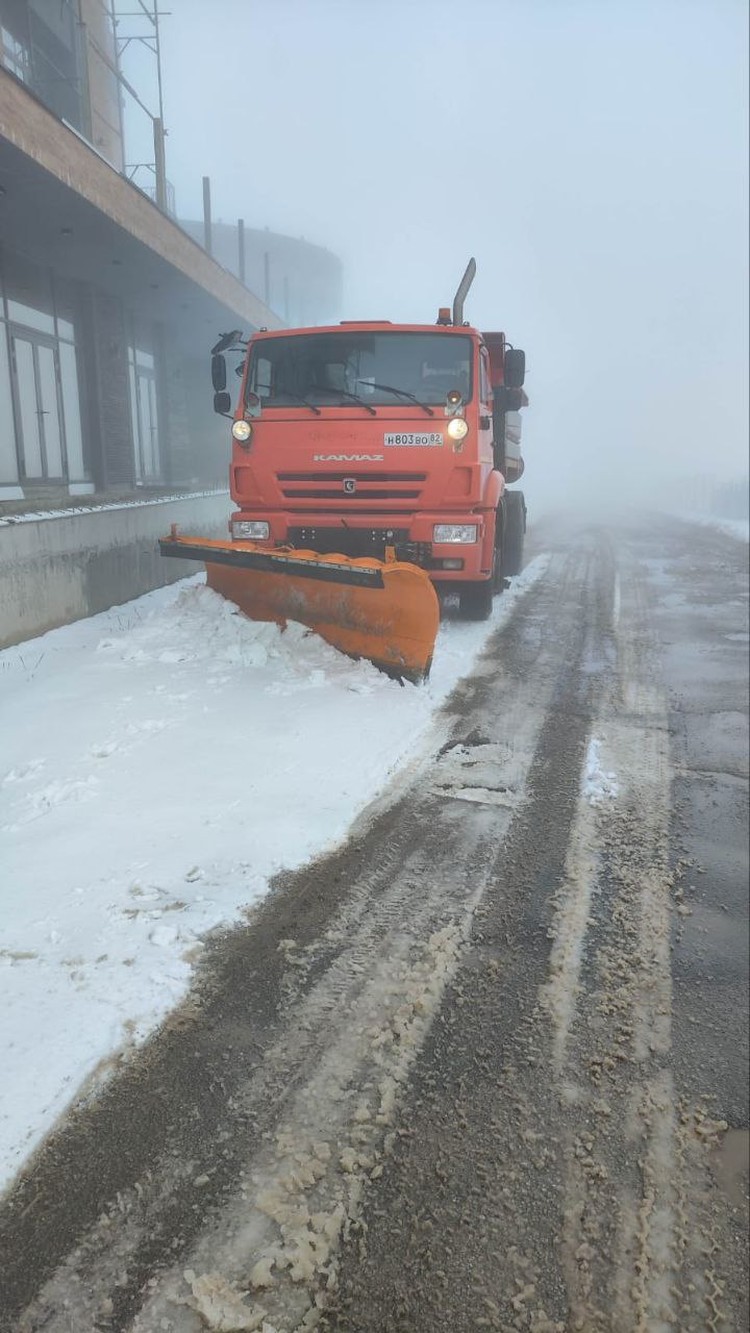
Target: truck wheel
<point>499,559</point>
<point>515,527</point>
<point>475,599</point>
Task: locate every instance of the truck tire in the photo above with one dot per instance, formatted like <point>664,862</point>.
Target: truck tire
<point>515,528</point>
<point>499,565</point>
<point>475,599</point>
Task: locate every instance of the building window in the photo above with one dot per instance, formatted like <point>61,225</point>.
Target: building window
<point>39,408</point>
<point>14,55</point>
<point>144,416</point>
<point>41,42</point>
<point>8,455</point>
<point>77,475</point>
<point>39,367</point>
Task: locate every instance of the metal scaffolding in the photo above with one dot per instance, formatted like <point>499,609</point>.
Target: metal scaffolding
<point>148,16</point>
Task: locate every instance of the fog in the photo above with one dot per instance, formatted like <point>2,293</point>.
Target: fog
<point>591,154</point>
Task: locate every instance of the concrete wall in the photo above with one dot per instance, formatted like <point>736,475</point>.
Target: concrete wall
<point>61,568</point>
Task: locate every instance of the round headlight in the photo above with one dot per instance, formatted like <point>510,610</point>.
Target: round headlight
<point>457,428</point>
<point>241,431</point>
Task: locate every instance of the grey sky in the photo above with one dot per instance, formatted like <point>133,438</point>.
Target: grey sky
<point>591,155</point>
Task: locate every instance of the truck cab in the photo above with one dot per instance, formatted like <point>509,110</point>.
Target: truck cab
<point>366,437</point>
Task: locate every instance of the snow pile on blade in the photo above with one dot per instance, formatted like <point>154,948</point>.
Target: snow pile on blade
<point>384,610</point>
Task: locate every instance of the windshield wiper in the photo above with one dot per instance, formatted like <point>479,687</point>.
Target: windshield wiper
<point>344,393</point>
<point>404,393</point>
<point>288,393</point>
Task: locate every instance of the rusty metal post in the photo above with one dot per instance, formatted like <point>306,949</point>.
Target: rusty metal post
<point>207,236</point>
<point>241,249</point>
<point>160,165</point>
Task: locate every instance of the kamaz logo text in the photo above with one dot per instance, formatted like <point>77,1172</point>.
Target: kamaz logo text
<point>348,458</point>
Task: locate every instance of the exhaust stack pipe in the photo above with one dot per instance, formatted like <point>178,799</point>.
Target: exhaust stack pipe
<point>463,288</point>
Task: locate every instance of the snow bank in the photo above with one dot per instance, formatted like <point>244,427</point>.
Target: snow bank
<point>735,527</point>
<point>160,762</point>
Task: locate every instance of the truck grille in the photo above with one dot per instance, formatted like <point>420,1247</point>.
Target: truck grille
<point>367,485</point>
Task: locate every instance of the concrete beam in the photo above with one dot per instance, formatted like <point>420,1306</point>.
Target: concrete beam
<point>59,150</point>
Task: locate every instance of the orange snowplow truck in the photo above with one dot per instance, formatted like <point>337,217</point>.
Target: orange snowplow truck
<point>370,470</point>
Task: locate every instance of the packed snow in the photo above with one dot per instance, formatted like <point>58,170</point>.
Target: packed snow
<point>160,763</point>
<point>596,784</point>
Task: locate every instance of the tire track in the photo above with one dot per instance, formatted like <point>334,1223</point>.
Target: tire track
<point>550,1177</point>
<point>284,1069</point>
<point>462,1230</point>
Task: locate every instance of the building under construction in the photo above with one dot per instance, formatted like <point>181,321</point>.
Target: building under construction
<point>108,308</point>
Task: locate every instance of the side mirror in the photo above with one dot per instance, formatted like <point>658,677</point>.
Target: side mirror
<point>218,373</point>
<point>226,340</point>
<point>514,368</point>
<point>514,399</point>
<point>222,404</point>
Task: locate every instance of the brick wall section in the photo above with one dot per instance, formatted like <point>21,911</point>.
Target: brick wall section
<point>194,442</point>
<point>87,360</point>
<point>39,134</point>
<point>112,430</point>
<point>207,444</point>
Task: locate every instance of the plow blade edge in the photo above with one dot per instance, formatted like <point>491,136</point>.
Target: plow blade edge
<point>386,611</point>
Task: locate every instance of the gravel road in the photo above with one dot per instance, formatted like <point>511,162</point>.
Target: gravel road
<point>487,1065</point>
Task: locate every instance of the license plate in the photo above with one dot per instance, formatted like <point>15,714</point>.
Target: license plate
<point>430,439</point>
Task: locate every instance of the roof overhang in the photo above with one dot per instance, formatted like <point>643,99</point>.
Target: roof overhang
<point>64,206</point>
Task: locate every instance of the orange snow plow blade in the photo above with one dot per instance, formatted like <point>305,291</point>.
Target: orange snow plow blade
<point>383,610</point>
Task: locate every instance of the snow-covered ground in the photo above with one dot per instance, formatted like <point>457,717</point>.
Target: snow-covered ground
<point>735,527</point>
<point>160,762</point>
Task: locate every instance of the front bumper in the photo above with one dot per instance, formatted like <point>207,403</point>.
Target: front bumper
<point>369,534</point>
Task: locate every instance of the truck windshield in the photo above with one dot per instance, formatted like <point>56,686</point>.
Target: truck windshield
<point>378,369</point>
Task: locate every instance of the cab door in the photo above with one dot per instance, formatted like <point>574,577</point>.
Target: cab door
<point>486,433</point>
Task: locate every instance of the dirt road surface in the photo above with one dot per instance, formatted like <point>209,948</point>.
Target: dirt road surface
<point>486,1066</point>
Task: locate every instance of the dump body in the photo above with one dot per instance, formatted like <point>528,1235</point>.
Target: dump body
<point>365,436</point>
